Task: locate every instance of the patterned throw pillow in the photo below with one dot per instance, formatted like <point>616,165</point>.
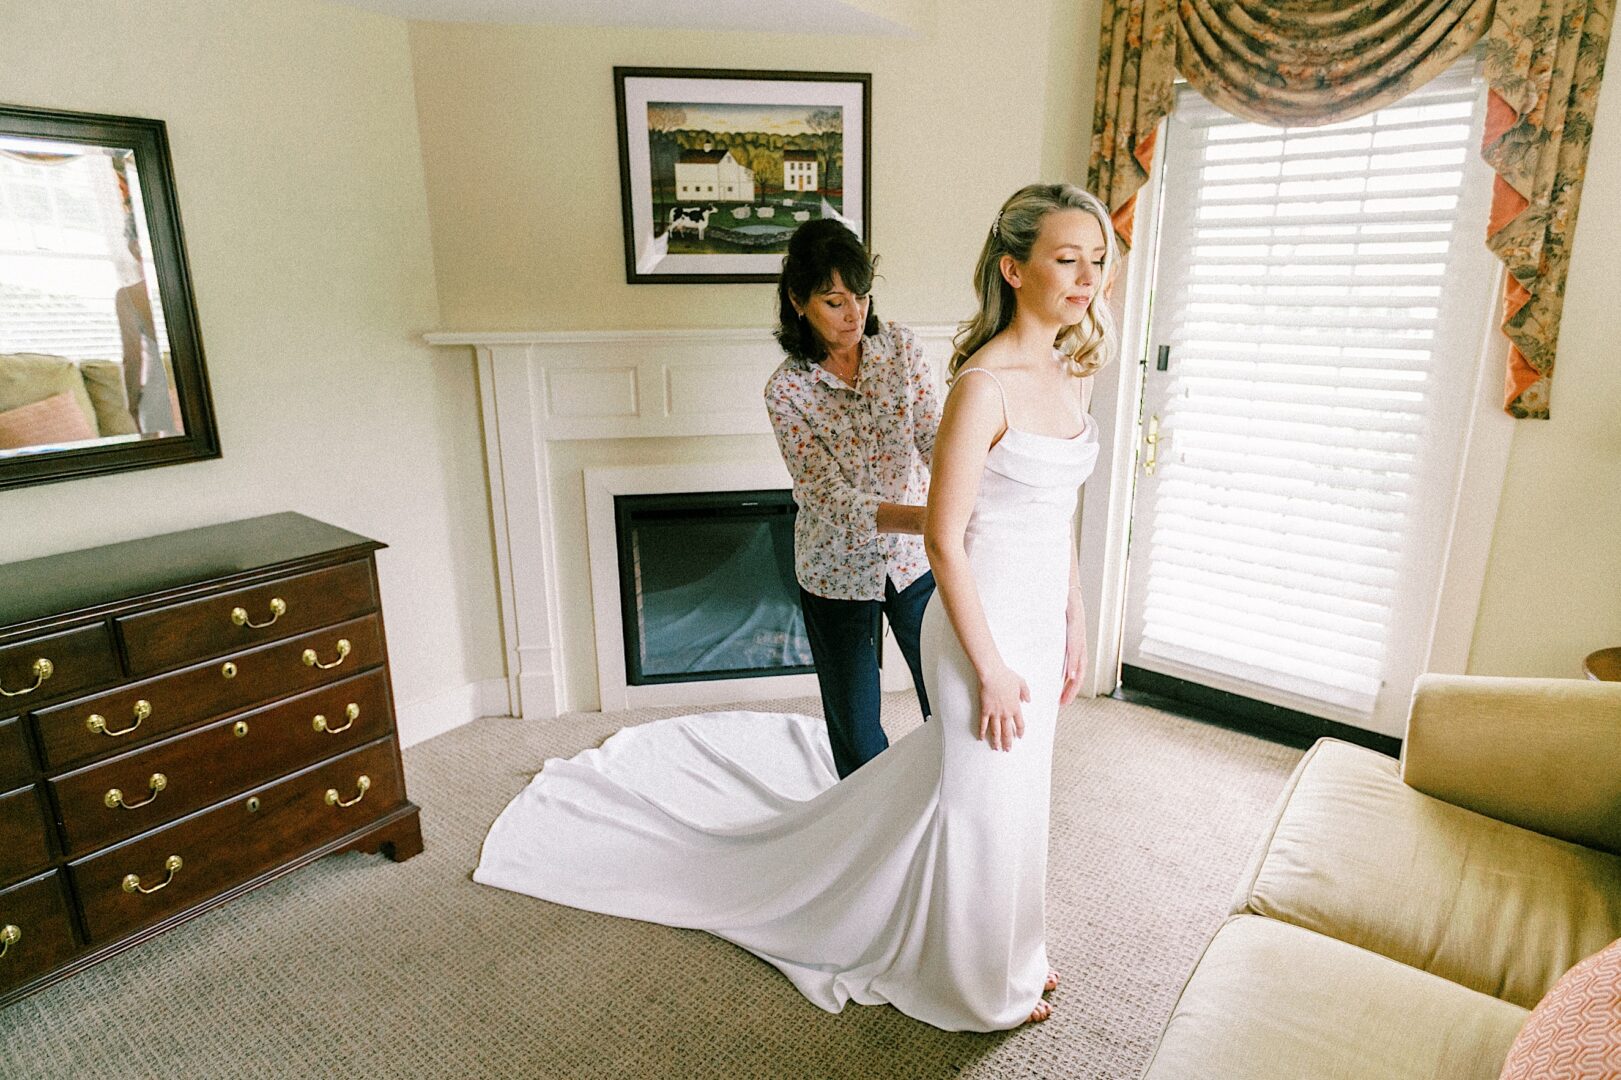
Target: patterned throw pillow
<point>57,419</point>
<point>1574,1033</point>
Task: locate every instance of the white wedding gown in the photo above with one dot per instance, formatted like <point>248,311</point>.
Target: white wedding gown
<point>919,880</point>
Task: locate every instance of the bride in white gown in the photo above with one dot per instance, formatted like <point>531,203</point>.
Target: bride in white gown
<point>920,880</point>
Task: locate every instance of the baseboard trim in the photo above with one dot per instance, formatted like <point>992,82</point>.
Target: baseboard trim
<point>495,698</point>
<point>1273,722</point>
<point>422,720</point>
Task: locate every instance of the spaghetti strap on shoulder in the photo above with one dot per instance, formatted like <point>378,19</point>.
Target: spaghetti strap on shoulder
<point>999,389</point>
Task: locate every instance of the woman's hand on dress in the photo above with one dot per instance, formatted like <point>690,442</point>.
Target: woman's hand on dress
<point>1001,720</point>
<point>1074,656</point>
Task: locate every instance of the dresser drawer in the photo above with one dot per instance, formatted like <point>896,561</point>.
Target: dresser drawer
<point>24,835</point>
<point>228,622</point>
<point>56,665</point>
<point>98,726</point>
<point>16,759</point>
<point>36,932</point>
<point>184,864</point>
<point>202,767</point>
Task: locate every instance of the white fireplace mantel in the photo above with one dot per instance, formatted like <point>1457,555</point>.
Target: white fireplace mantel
<point>539,388</point>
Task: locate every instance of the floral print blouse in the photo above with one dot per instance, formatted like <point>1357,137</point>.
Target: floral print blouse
<point>850,448</point>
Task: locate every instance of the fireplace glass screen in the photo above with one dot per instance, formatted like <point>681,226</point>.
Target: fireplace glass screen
<point>707,586</point>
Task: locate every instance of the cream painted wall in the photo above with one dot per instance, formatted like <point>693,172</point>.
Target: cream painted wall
<point>523,169</point>
<point>296,156</point>
<point>1554,588</point>
<point>912,16</point>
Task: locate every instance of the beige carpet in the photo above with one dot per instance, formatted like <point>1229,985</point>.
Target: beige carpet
<point>362,968</point>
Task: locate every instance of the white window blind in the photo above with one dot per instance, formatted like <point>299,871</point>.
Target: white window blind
<point>1301,291</point>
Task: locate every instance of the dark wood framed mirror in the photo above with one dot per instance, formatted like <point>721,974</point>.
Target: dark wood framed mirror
<point>101,362</point>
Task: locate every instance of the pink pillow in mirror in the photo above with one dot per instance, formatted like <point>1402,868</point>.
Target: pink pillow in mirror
<point>56,419</point>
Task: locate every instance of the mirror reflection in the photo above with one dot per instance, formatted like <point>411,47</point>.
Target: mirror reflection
<point>85,358</point>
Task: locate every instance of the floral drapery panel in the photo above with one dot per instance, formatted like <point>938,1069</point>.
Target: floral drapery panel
<point>1320,61</point>
<point>1544,62</point>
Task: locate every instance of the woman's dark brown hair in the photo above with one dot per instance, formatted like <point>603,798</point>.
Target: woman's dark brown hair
<point>816,250</point>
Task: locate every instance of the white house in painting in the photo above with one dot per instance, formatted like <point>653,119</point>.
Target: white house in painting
<point>712,174</point>
<point>799,170</point>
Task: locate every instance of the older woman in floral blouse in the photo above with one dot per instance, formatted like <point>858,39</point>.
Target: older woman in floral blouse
<point>855,410</point>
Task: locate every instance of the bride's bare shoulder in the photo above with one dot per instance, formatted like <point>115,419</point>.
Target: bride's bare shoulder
<point>974,403</point>
<point>971,385</point>
<point>995,355</point>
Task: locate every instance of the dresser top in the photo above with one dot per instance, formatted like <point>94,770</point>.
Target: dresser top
<point>93,577</point>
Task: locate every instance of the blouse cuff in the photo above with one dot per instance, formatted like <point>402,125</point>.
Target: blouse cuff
<point>863,523</point>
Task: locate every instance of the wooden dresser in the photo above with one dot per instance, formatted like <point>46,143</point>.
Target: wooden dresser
<point>184,718</point>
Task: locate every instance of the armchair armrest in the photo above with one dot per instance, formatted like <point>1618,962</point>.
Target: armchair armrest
<point>1544,754</point>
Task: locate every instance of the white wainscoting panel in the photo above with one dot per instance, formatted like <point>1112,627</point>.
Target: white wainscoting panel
<point>586,394</point>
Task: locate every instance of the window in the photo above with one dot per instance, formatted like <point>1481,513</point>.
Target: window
<point>1318,302</point>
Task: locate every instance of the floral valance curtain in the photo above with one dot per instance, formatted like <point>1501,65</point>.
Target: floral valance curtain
<point>1304,62</point>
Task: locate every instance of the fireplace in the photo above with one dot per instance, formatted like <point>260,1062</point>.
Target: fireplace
<point>564,411</point>
<point>707,588</point>
<point>695,630</point>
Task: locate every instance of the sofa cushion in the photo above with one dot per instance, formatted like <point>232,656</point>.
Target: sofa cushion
<point>1541,753</point>
<point>29,377</point>
<point>1271,1001</point>
<point>1360,856</point>
<point>1575,1032</point>
<point>57,419</point>
<point>104,382</point>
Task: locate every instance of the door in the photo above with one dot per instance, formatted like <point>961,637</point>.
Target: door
<point>1313,349</point>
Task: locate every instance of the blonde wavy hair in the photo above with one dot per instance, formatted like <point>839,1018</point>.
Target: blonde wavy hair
<point>1089,343</point>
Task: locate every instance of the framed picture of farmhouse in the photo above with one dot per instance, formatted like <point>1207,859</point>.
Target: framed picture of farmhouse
<point>717,168</point>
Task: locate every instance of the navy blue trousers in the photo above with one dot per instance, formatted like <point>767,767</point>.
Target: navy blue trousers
<point>844,641</point>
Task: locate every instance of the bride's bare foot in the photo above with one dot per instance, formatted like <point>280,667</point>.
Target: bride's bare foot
<point>1051,983</point>
<point>1041,1012</point>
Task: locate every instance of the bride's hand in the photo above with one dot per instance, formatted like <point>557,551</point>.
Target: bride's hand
<point>1074,657</point>
<point>1001,720</point>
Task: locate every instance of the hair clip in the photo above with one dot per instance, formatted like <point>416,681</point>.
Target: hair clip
<point>996,226</point>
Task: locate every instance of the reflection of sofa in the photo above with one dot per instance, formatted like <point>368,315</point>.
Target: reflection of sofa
<point>49,399</point>
<point>1400,919</point>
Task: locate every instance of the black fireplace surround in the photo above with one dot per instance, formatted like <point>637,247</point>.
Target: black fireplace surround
<point>707,587</point>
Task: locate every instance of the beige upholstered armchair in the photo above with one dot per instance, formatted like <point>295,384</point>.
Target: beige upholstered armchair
<point>1400,919</point>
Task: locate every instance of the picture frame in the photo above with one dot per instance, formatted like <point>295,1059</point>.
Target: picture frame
<point>717,167</point>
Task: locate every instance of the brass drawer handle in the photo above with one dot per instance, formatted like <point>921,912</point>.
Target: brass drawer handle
<point>363,785</point>
<point>132,882</point>
<point>311,660</point>
<point>352,712</point>
<point>43,669</point>
<point>98,723</point>
<point>10,934</point>
<point>278,608</point>
<point>115,798</point>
